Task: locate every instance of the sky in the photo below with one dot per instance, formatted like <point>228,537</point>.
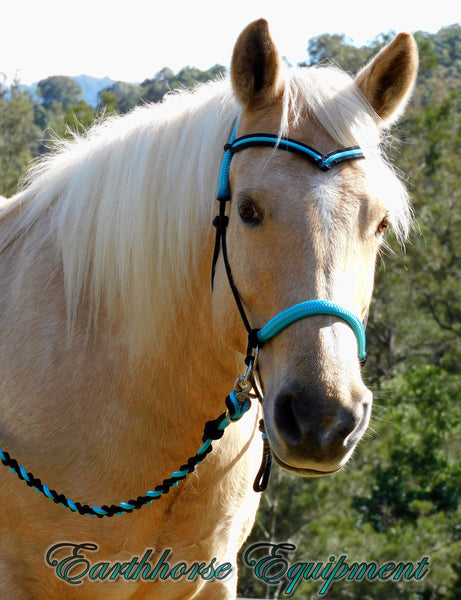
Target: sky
<point>131,41</point>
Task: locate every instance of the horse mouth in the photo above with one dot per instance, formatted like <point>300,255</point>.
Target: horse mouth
<point>303,472</point>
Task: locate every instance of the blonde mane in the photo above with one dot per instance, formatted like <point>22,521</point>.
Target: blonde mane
<point>129,201</point>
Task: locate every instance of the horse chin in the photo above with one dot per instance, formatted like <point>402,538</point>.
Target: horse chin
<point>305,471</point>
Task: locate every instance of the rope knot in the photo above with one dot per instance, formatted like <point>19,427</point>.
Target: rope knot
<point>221,222</point>
<point>212,431</point>
<point>236,408</point>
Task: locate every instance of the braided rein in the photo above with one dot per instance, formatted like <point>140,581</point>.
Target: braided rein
<point>238,403</point>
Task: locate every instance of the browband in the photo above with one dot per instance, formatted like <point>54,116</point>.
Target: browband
<point>323,162</point>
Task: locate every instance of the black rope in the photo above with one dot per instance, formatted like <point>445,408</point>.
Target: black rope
<point>213,430</point>
<point>232,284</point>
<point>221,221</point>
<point>262,477</point>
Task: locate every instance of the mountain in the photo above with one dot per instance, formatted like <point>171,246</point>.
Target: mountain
<point>92,86</point>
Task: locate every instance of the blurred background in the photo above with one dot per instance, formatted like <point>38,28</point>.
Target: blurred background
<point>399,499</point>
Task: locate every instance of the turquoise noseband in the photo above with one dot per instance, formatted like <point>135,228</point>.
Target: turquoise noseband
<point>309,309</point>
<point>258,337</point>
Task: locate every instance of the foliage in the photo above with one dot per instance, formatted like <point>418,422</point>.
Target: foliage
<point>121,97</point>
<point>418,473</point>
<point>400,499</point>
<point>124,96</point>
<point>18,136</point>
<point>64,90</point>
<point>165,81</point>
<point>30,124</point>
<point>339,49</point>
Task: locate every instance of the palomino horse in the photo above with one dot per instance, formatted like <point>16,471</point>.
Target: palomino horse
<point>115,350</point>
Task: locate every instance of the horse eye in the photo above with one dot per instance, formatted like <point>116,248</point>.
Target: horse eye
<point>248,212</point>
<point>383,225</point>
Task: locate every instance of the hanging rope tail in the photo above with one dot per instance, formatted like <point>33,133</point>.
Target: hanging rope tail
<point>262,478</point>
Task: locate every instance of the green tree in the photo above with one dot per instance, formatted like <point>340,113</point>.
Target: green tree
<point>120,97</point>
<point>154,89</point>
<point>436,257</point>
<point>422,468</point>
<point>165,81</point>
<point>416,311</point>
<point>338,48</point>
<point>18,135</point>
<point>108,102</point>
<point>59,89</point>
<point>79,118</point>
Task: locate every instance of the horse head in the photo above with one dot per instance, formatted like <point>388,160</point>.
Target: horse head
<point>298,233</point>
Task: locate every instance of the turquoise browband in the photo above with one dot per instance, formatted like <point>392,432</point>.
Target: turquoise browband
<point>323,162</point>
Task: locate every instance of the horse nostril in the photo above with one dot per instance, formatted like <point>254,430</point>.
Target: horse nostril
<point>285,418</point>
<point>360,424</point>
<point>340,428</point>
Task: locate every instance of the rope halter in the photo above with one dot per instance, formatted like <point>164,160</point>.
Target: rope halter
<point>257,337</point>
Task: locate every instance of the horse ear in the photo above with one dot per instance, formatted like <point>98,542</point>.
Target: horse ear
<point>388,80</point>
<point>256,67</point>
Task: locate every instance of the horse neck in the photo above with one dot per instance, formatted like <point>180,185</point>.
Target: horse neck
<point>155,300</point>
<point>172,336</point>
<point>192,357</point>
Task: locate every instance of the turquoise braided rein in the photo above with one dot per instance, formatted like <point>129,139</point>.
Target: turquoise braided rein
<point>237,404</point>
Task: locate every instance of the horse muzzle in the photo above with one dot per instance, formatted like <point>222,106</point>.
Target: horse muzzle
<point>312,435</point>
<point>317,416</point>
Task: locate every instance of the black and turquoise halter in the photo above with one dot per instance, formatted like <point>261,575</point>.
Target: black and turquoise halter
<point>239,399</point>
<point>258,337</point>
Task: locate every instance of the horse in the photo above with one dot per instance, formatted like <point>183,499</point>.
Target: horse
<point>116,349</point>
